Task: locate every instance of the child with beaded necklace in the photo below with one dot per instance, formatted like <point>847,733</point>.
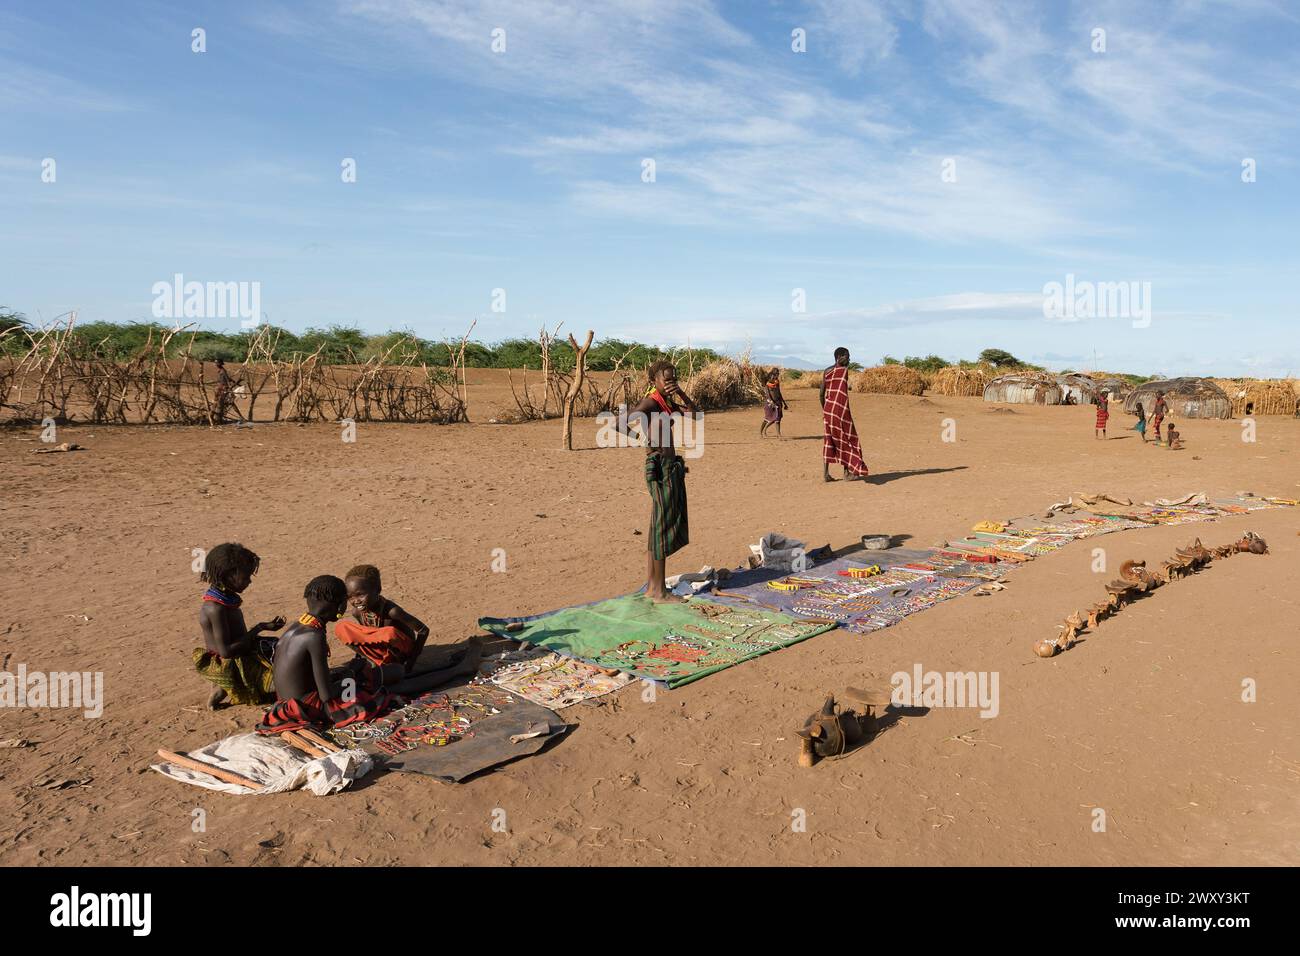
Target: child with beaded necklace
<point>306,694</point>
<point>231,657</point>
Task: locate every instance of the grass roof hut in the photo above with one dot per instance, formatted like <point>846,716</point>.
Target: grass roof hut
<point>726,383</point>
<point>1186,398</point>
<point>890,380</point>
<point>1024,388</point>
<point>955,380</point>
<point>1265,397</point>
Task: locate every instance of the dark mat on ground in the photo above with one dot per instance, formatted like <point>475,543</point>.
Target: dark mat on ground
<point>488,745</point>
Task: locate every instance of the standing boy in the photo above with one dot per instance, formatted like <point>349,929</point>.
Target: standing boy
<point>1158,412</point>
<point>225,393</point>
<point>840,438</point>
<point>665,473</point>
<point>774,405</point>
<point>1103,414</point>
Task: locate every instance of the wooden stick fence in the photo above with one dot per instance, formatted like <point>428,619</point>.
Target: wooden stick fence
<point>60,376</point>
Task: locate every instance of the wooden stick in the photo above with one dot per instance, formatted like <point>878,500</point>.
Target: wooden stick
<point>575,386</point>
<point>319,740</point>
<point>291,738</point>
<point>189,763</point>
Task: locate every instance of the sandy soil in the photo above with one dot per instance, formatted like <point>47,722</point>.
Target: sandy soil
<point>1144,719</point>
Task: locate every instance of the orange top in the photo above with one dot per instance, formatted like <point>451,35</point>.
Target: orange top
<point>378,645</point>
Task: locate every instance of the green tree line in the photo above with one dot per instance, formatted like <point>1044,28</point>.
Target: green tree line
<point>347,345</point>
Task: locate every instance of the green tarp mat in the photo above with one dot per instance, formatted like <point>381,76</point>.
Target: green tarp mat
<point>672,644</point>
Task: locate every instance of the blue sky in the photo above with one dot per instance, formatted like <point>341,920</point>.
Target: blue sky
<point>774,170</point>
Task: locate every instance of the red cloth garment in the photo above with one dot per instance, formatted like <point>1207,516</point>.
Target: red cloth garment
<point>1103,416</point>
<point>840,441</point>
<point>666,406</point>
<point>308,711</point>
<point>378,645</point>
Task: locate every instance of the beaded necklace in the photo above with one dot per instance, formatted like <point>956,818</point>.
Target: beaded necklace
<point>218,596</point>
<point>310,620</point>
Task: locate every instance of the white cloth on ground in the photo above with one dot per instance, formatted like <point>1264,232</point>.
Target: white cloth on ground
<point>272,763</point>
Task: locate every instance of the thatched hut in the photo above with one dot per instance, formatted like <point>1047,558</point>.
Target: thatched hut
<point>1264,397</point>
<point>1235,389</point>
<point>1077,389</point>
<point>955,380</point>
<point>890,380</point>
<point>726,383</point>
<point>1024,388</point>
<point>1186,398</point>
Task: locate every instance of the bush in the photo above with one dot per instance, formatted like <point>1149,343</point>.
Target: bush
<point>211,351</point>
<point>931,363</point>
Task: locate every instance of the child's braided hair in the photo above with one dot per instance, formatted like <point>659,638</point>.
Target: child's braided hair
<point>224,561</point>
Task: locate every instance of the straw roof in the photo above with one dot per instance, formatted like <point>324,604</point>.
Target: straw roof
<point>955,380</point>
<point>725,383</point>
<point>1264,397</point>
<point>890,380</point>
<point>1186,398</point>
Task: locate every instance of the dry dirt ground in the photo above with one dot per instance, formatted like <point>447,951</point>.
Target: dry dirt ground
<point>1145,719</point>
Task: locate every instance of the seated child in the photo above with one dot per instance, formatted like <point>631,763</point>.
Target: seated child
<point>231,658</point>
<point>1173,437</point>
<point>381,632</point>
<point>306,694</point>
<point>388,641</point>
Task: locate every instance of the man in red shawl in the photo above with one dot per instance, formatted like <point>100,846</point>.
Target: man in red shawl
<point>840,441</point>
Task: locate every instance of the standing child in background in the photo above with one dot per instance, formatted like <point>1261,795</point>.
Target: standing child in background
<point>1158,412</point>
<point>230,657</point>
<point>775,404</point>
<point>225,394</point>
<point>840,436</point>
<point>1141,426</point>
<point>1103,415</point>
